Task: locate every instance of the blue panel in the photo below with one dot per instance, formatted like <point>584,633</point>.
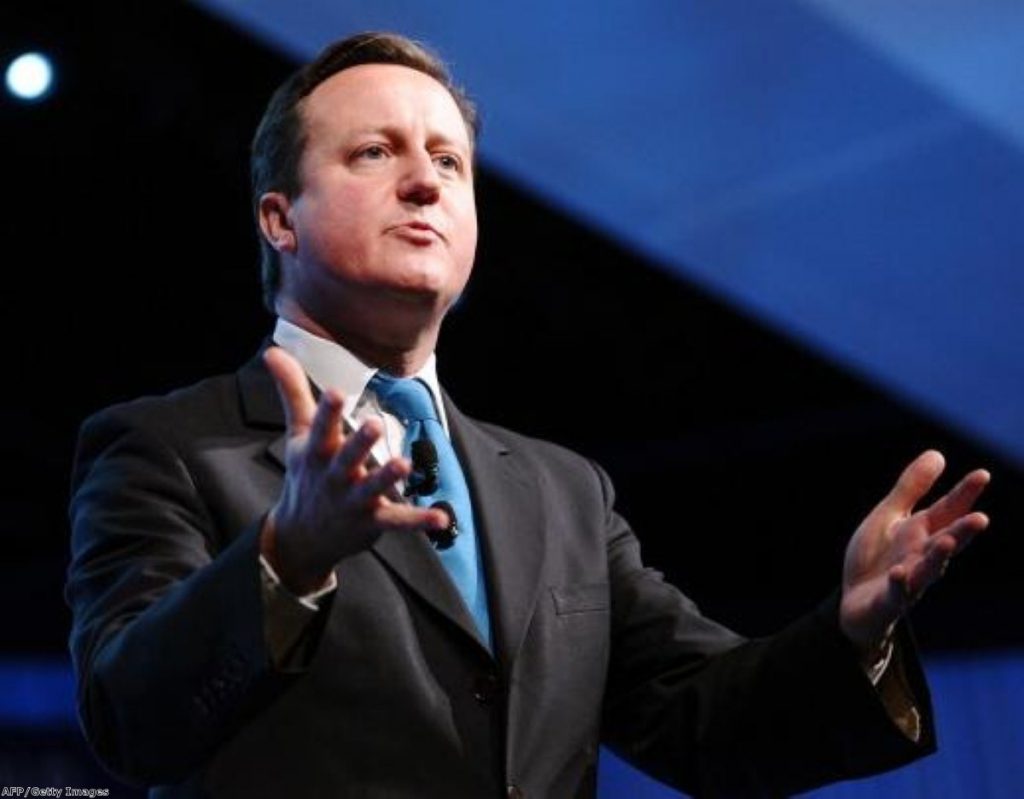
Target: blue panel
<point>36,693</point>
<point>969,53</point>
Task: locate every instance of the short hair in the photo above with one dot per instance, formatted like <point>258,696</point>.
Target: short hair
<point>280,136</point>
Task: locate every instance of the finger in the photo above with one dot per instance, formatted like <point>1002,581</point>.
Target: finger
<point>379,481</point>
<point>293,388</point>
<point>325,433</point>
<point>899,588</point>
<point>410,518</point>
<point>957,502</point>
<point>928,568</point>
<point>963,530</point>
<point>911,580</point>
<point>357,449</point>
<point>916,481</point>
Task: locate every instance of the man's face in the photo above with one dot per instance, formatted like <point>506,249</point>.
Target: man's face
<point>385,223</point>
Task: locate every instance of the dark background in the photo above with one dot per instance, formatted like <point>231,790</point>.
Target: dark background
<point>743,460</point>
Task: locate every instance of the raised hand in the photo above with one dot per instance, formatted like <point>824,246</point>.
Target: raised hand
<point>333,503</point>
<point>898,552</point>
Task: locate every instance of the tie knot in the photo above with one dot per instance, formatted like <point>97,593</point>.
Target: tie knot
<point>407,398</point>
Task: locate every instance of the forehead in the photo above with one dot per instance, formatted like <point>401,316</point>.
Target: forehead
<point>383,95</point>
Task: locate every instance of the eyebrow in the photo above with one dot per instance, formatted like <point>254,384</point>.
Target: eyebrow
<point>393,132</point>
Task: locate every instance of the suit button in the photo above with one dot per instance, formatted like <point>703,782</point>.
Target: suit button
<point>485,688</point>
<point>514,792</point>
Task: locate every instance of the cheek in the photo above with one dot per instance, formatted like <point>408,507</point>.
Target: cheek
<point>343,230</point>
<point>465,246</point>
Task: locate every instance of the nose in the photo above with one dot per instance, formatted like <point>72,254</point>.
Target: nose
<point>420,184</point>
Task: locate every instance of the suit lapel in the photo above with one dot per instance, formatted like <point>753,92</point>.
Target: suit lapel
<point>261,405</point>
<point>510,526</point>
<point>410,557</point>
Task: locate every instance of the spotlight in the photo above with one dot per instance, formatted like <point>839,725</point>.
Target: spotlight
<point>30,76</point>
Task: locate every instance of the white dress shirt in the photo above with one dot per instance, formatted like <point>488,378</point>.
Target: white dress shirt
<point>329,365</point>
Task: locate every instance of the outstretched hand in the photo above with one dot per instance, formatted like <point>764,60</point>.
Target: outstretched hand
<point>898,552</point>
<point>334,503</point>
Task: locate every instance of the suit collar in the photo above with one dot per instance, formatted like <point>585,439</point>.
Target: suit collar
<point>261,404</point>
<point>328,363</point>
<point>257,394</point>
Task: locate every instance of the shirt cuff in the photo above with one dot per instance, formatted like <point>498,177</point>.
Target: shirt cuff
<point>288,620</point>
<point>891,684</point>
<point>876,669</point>
<point>308,600</point>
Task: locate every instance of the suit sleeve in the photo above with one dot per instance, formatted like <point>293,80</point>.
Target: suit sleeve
<point>167,640</point>
<point>701,709</point>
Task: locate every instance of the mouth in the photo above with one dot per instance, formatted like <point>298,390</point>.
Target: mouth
<point>417,231</point>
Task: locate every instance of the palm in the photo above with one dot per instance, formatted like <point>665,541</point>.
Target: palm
<point>334,501</point>
<point>896,553</point>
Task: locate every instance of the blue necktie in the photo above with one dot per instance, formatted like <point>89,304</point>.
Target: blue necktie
<point>411,402</point>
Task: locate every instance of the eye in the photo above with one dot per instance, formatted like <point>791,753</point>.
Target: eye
<point>372,152</point>
<point>448,162</point>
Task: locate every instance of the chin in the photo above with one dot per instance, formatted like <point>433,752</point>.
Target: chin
<point>428,283</point>
<point>428,299</point>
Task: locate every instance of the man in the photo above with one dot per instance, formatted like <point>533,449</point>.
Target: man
<point>267,599</point>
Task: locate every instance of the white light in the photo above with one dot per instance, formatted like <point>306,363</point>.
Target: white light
<point>30,76</point>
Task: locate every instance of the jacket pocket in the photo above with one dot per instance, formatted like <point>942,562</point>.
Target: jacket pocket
<point>583,598</point>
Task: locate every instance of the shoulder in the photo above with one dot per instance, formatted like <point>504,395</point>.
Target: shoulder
<point>212,402</point>
<point>223,412</point>
<point>521,442</point>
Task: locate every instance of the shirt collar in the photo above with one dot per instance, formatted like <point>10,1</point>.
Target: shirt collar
<point>329,364</point>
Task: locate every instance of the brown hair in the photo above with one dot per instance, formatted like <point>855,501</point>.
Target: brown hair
<point>280,138</point>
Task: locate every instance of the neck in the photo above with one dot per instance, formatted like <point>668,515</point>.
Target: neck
<point>402,359</point>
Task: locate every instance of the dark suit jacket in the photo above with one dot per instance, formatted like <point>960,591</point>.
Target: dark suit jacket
<point>400,698</point>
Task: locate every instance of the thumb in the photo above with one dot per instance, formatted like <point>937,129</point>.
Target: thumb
<point>293,388</point>
<point>915,481</point>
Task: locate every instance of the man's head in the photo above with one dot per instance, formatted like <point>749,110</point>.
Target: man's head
<point>312,179</point>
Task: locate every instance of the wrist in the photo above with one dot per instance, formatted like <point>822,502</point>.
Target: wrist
<point>297,580</point>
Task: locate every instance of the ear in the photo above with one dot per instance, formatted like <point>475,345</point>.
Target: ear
<point>275,222</point>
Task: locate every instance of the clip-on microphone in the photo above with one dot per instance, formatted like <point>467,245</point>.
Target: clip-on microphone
<point>424,481</point>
